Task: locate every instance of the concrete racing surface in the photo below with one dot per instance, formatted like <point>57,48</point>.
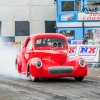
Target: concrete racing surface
<point>14,86</point>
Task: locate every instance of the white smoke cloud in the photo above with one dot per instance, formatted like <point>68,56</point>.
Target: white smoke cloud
<point>7,61</point>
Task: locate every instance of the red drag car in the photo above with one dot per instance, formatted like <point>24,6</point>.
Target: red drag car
<point>45,55</point>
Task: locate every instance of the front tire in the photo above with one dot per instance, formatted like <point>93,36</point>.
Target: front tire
<point>78,78</point>
<point>33,79</point>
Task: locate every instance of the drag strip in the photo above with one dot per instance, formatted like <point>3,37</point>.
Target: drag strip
<point>49,89</point>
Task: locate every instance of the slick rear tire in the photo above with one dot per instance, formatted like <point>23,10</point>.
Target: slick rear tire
<point>16,65</point>
<point>33,79</point>
<point>78,78</point>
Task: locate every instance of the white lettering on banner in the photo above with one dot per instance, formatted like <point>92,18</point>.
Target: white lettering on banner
<point>88,52</point>
<point>85,16</point>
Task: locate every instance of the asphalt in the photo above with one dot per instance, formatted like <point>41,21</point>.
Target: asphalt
<point>94,73</point>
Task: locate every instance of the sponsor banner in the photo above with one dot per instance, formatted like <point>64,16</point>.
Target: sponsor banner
<point>67,17</point>
<point>88,16</point>
<point>96,34</point>
<point>70,37</point>
<point>76,41</point>
<point>89,52</point>
<point>72,50</point>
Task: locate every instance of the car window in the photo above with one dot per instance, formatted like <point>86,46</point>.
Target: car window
<point>49,41</point>
<point>29,44</point>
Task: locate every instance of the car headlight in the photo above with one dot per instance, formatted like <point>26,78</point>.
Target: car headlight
<point>38,63</point>
<point>82,62</point>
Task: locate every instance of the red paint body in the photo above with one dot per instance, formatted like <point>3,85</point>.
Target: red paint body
<point>51,57</point>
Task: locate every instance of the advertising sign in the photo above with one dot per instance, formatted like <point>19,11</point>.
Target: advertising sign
<point>96,34</point>
<point>66,17</point>
<point>76,41</point>
<point>91,10</point>
<point>88,16</point>
<point>72,50</point>
<point>89,52</point>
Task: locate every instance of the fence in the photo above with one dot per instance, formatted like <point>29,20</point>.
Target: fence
<point>94,63</point>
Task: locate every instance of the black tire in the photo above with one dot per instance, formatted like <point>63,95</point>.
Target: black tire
<point>16,65</point>
<point>33,79</point>
<point>78,78</point>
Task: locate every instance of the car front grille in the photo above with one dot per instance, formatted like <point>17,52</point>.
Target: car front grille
<point>61,70</point>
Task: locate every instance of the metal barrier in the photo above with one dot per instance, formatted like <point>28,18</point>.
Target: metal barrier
<point>94,64</point>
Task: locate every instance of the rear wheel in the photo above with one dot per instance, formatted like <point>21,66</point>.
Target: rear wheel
<point>79,78</point>
<point>16,65</point>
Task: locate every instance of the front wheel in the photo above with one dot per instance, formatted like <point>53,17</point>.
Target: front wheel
<point>33,79</point>
<point>79,78</point>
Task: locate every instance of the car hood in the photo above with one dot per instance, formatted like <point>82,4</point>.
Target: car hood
<point>57,56</point>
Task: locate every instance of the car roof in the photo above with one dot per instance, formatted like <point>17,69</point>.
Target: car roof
<point>44,35</point>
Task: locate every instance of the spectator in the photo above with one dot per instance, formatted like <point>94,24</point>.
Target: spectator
<point>61,32</point>
<point>86,38</point>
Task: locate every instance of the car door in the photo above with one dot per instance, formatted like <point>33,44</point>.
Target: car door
<point>27,54</point>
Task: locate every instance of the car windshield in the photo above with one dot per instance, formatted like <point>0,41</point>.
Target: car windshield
<point>45,42</point>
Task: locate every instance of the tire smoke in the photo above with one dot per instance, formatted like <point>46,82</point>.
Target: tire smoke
<point>8,54</point>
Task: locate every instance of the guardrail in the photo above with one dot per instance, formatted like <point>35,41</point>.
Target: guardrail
<point>94,65</point>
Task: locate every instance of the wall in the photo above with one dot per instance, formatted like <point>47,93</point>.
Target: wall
<point>76,20</point>
<point>36,12</point>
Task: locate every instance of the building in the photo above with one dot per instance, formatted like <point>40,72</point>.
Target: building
<point>20,18</point>
<point>76,17</point>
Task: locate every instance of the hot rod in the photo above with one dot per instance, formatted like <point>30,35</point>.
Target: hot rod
<point>46,55</point>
